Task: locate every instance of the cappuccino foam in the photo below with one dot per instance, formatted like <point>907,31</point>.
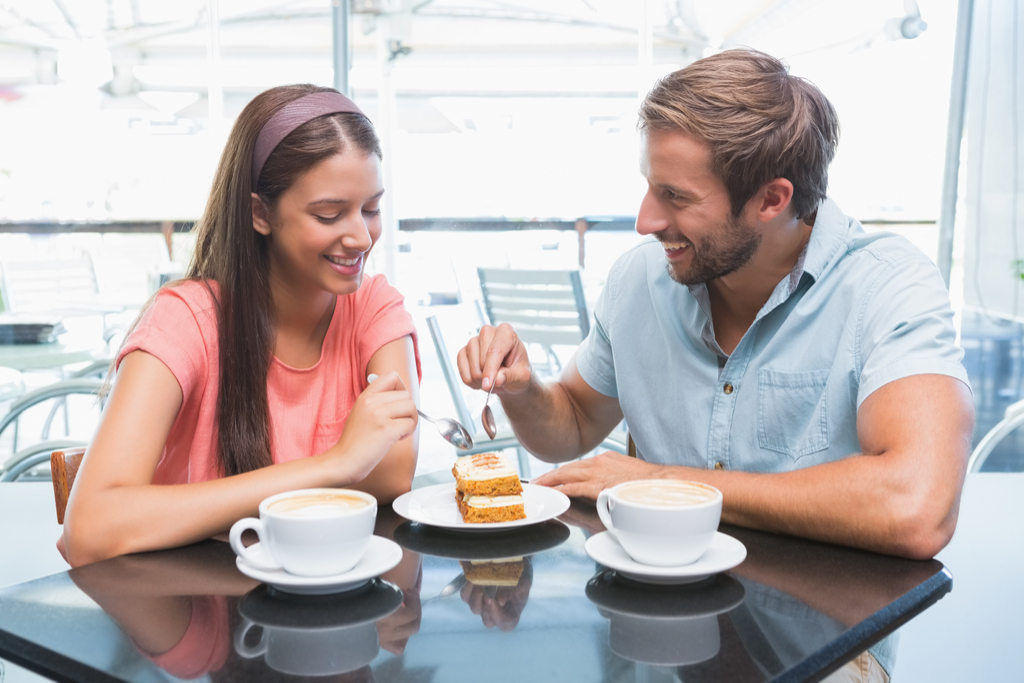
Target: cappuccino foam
<point>317,505</point>
<point>667,493</point>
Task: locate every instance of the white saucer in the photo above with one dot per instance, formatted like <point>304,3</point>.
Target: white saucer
<point>381,555</point>
<point>724,553</point>
<point>435,505</point>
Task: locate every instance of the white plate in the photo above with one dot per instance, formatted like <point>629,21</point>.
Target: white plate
<point>724,553</point>
<point>435,505</point>
<point>381,555</point>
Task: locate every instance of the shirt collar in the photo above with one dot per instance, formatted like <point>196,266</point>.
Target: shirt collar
<point>831,226</point>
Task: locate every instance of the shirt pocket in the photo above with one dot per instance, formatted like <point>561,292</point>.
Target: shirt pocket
<point>793,412</point>
<point>326,435</point>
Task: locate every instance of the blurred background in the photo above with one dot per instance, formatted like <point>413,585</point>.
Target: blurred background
<point>509,135</point>
<point>508,128</point>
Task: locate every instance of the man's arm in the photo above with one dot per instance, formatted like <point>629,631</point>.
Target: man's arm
<point>555,421</point>
<point>899,496</point>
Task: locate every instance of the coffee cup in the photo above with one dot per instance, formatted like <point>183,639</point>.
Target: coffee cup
<point>311,651</point>
<point>664,625</point>
<point>314,635</point>
<point>310,532</point>
<point>661,522</point>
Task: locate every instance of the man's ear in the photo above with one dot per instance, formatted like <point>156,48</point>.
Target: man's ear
<point>260,216</point>
<point>773,199</point>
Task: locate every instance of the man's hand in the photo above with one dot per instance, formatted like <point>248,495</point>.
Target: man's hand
<point>582,514</point>
<point>496,354</point>
<point>500,606</point>
<point>588,477</point>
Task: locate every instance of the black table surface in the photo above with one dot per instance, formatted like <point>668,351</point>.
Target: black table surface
<point>189,612</point>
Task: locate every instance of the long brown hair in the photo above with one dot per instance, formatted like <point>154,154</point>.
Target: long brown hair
<point>231,253</point>
<point>760,123</point>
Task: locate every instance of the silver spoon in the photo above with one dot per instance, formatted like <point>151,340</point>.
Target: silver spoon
<point>450,430</point>
<point>453,586</point>
<point>488,417</point>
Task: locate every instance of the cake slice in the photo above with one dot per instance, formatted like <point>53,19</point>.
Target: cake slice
<point>487,509</point>
<point>504,572</point>
<point>487,489</point>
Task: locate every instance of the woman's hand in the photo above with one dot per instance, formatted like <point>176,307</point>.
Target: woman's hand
<point>496,354</point>
<point>383,414</point>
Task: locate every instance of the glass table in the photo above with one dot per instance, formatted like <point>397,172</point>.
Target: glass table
<point>52,355</point>
<point>793,610</point>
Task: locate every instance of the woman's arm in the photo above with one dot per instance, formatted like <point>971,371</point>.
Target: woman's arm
<point>114,508</point>
<point>393,475</point>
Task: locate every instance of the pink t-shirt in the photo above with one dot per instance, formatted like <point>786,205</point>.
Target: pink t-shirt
<point>308,407</point>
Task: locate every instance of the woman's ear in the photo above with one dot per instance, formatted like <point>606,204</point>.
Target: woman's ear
<point>260,216</point>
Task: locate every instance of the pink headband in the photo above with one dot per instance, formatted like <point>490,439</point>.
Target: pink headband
<point>291,116</point>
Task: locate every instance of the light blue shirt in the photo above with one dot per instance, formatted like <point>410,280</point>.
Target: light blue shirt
<point>857,312</point>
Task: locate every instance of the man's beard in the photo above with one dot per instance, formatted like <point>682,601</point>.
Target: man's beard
<point>728,249</point>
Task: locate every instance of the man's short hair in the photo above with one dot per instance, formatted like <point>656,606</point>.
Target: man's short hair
<point>760,124</point>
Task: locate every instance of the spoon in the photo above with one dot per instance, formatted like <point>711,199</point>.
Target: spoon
<point>450,430</point>
<point>450,588</point>
<point>488,417</point>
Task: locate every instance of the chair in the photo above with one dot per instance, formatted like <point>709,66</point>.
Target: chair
<point>547,307</point>
<point>11,383</point>
<point>23,465</point>
<point>63,288</point>
<point>1012,419</point>
<point>95,370</point>
<point>463,321</point>
<point>59,391</point>
<point>64,457</point>
<point>67,286</point>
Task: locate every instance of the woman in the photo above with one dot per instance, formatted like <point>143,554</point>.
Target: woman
<point>248,377</point>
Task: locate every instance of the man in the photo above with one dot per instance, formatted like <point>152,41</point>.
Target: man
<point>762,342</point>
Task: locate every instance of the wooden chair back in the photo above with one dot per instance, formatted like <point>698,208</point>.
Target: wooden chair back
<point>64,466</point>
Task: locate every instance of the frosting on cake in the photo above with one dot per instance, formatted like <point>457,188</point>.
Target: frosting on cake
<point>483,466</point>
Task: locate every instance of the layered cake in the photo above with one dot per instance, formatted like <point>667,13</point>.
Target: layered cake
<point>503,572</point>
<point>487,489</point>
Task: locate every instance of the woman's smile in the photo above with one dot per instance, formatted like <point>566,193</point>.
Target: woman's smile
<point>351,265</point>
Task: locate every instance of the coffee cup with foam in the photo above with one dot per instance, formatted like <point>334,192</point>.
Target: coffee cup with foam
<point>310,532</point>
<point>661,522</point>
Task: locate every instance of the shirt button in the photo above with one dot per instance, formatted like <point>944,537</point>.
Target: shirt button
<point>719,466</point>
<point>727,388</point>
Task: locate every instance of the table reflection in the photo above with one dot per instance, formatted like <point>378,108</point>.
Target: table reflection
<point>457,602</point>
<point>188,610</point>
<point>664,625</point>
<point>314,635</point>
<point>797,598</point>
<point>497,569</point>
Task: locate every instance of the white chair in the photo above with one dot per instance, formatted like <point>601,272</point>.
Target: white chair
<point>460,322</point>
<point>58,392</point>
<point>449,329</point>
<point>547,307</point>
<point>1012,419</point>
<point>59,288</point>
<point>64,286</point>
<point>27,464</point>
<point>11,383</point>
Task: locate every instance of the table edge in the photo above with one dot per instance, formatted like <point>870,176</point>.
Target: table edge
<point>862,636</point>
<point>48,663</point>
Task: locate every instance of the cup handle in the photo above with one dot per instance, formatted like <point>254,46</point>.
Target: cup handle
<point>604,506</point>
<point>262,560</point>
<point>241,648</point>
